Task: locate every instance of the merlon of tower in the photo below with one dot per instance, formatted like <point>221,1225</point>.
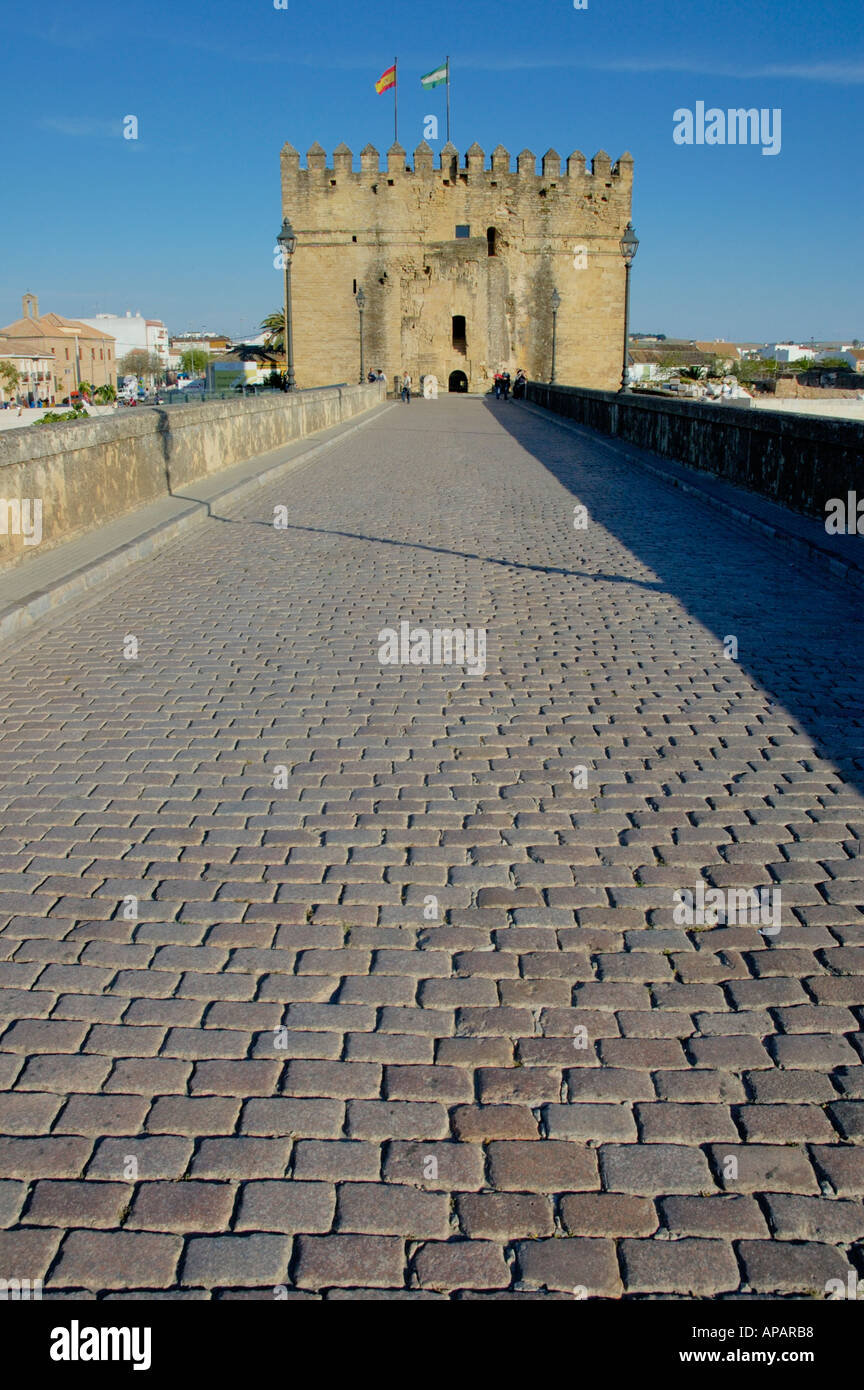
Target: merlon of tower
<point>370,160</point>
<point>343,159</point>
<point>424,159</point>
<point>316,158</point>
<point>449,159</point>
<point>601,164</point>
<point>473,171</point>
<point>396,159</point>
<point>475,158</point>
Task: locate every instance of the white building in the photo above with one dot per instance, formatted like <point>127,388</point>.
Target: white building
<point>35,377</point>
<point>134,334</point>
<point>784,352</point>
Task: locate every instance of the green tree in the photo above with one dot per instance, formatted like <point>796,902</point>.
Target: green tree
<point>755,369</point>
<point>274,326</point>
<point>135,363</point>
<point>9,376</point>
<point>194,361</point>
<point>146,366</point>
<point>156,370</point>
<point>691,373</point>
<point>105,394</point>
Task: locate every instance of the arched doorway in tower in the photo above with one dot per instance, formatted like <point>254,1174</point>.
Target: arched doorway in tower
<point>458,382</point>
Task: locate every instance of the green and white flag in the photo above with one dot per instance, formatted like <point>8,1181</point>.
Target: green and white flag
<point>436,76</point>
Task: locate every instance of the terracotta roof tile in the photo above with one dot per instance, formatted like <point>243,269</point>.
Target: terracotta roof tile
<point>52,326</point>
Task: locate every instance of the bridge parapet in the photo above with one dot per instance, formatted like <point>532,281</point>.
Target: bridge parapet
<point>799,461</point>
<point>85,473</point>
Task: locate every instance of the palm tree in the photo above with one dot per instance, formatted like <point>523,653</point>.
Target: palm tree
<point>105,394</point>
<point>274,326</point>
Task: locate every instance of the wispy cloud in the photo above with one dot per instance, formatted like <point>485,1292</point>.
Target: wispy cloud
<point>840,73</point>
<point>846,73</point>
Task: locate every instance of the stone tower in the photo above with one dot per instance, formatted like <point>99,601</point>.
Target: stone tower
<point>458,264</point>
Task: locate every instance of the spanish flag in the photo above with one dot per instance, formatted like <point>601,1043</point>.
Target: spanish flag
<point>386,80</point>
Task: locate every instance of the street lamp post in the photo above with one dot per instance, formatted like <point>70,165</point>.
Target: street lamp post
<point>361,305</point>
<point>556,305</point>
<point>629,247</point>
<point>287,240</point>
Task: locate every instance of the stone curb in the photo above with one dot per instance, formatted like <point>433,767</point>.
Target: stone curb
<point>847,573</point>
<point>21,616</point>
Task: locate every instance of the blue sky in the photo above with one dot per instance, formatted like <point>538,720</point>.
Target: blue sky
<point>181,223</point>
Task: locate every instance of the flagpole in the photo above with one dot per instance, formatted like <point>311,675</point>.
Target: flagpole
<point>448,98</point>
<point>396,100</point>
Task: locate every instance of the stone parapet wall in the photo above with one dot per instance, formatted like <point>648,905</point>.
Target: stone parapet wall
<point>799,461</point>
<point>88,472</point>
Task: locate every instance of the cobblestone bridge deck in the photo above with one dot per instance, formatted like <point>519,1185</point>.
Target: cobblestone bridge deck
<point>333,977</point>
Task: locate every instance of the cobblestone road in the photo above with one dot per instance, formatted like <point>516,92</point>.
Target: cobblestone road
<point>333,976</point>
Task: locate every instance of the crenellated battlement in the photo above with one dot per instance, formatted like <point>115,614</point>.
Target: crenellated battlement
<point>459,254</point>
<point>474,166</point>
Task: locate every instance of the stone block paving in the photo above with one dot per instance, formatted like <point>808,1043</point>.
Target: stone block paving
<point>323,978</point>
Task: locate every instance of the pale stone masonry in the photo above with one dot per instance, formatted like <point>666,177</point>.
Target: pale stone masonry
<point>458,264</point>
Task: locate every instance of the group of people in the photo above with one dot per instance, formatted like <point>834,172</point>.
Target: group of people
<point>405,384</point>
<point>503,384</point>
<point>28,402</point>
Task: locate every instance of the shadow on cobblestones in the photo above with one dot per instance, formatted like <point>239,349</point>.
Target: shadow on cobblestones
<point>800,635</point>
<point>459,554</point>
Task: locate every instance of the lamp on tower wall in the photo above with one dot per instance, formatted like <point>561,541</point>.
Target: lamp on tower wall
<point>629,246</point>
<point>361,305</point>
<point>287,241</point>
